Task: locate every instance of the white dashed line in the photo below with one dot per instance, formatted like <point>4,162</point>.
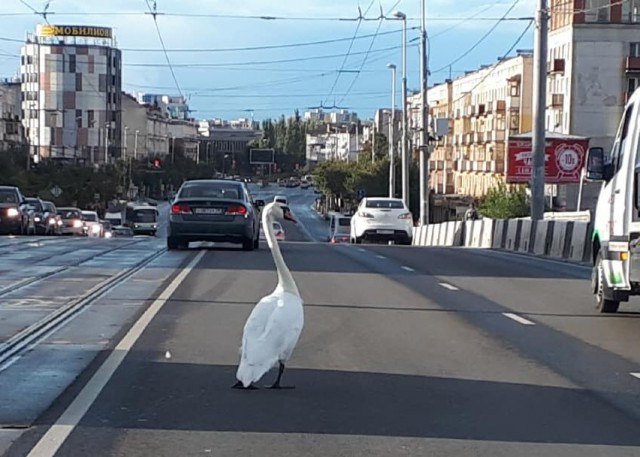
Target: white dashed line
<point>448,286</point>
<point>362,250</point>
<point>407,268</point>
<point>635,375</point>
<point>381,257</point>
<point>518,319</point>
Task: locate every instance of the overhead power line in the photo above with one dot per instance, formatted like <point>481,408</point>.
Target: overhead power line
<point>491,69</point>
<point>481,39</point>
<point>154,15</point>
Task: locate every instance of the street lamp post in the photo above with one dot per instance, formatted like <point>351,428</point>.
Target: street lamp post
<point>392,133</point>
<point>135,145</point>
<point>405,159</point>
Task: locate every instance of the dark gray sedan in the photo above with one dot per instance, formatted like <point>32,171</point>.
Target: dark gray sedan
<point>214,210</point>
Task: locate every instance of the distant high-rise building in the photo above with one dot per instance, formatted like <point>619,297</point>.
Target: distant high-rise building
<point>172,107</point>
<point>71,93</point>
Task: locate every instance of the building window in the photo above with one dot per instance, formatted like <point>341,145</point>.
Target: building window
<point>597,11</point>
<point>29,60</point>
<point>78,82</point>
<point>72,63</point>
<point>634,49</point>
<point>79,118</point>
<point>90,118</point>
<point>514,90</point>
<point>632,84</point>
<point>631,11</point>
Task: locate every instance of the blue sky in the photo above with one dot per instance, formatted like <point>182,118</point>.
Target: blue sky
<point>276,81</point>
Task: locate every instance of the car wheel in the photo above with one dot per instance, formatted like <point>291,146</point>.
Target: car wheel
<point>247,244</point>
<point>603,305</point>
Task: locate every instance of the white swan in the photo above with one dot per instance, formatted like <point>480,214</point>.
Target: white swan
<point>274,326</point>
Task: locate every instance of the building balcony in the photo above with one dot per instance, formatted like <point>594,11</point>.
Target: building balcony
<point>556,66</point>
<point>478,137</point>
<point>514,103</point>
<point>557,101</point>
<point>632,65</point>
<point>495,136</point>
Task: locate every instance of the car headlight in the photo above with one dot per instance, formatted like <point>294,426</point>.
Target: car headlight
<point>37,219</point>
<point>107,235</point>
<point>60,223</point>
<point>52,221</point>
<point>12,212</point>
<point>77,223</point>
<point>95,228</point>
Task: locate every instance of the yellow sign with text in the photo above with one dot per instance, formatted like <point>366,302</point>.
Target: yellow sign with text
<point>75,30</point>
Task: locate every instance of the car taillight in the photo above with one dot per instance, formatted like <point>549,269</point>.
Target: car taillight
<point>365,214</point>
<point>405,216</point>
<point>236,210</point>
<point>180,208</point>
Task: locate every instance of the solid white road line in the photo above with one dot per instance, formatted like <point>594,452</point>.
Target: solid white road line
<point>407,268</point>
<point>51,442</point>
<point>518,319</point>
<point>381,257</point>
<point>635,375</point>
<point>448,286</point>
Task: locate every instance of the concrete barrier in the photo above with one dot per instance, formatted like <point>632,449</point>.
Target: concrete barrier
<point>560,239</point>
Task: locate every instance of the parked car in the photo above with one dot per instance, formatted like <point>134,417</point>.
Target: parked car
<point>382,219</point>
<point>14,218</point>
<point>72,223</point>
<point>107,229</point>
<point>52,218</point>
<point>339,228</point>
<point>214,210</point>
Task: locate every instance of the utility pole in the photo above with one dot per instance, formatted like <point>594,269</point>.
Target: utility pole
<point>405,154</point>
<point>539,108</point>
<point>425,153</point>
<point>392,134</point>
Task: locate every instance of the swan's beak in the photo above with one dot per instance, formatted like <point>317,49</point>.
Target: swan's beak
<point>288,216</point>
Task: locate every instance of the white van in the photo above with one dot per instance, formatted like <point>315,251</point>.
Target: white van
<point>616,235</point>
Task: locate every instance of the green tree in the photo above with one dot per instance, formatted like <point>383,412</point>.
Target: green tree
<point>504,203</point>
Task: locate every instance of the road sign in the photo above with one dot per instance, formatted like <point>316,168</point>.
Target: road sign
<point>56,191</point>
<point>360,194</point>
<point>261,156</point>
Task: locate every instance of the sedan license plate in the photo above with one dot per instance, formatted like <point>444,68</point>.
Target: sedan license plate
<point>208,211</point>
<point>384,232</point>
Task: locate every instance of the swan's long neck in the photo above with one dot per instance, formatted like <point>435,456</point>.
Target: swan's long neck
<point>285,279</point>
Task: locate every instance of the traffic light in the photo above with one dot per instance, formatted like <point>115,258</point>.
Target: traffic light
<point>157,163</point>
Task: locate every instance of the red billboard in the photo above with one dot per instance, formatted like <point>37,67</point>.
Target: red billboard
<point>564,159</point>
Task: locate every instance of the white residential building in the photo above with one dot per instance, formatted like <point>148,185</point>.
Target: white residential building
<point>332,146</point>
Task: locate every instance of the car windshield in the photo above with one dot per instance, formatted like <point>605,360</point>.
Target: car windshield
<point>90,217</point>
<point>37,206</point>
<point>211,190</point>
<point>393,204</point>
<point>8,196</point>
<point>144,215</point>
<point>48,206</point>
<point>69,213</point>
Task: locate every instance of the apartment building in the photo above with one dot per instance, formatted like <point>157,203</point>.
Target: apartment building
<point>484,108</point>
<point>71,84</point>
<point>593,68</point>
<point>11,131</point>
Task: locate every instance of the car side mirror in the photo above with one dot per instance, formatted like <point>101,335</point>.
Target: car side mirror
<point>259,203</point>
<point>596,168</point>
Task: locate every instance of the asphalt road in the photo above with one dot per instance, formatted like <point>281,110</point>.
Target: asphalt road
<point>405,351</point>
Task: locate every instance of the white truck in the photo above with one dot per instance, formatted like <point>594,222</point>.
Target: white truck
<point>616,235</point>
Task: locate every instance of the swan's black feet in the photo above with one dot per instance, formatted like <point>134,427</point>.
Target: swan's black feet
<point>239,385</point>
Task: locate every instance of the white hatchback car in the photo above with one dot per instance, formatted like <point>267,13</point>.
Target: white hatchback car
<point>382,219</point>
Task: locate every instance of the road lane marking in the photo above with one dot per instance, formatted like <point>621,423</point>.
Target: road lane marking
<point>408,268</point>
<point>362,250</point>
<point>518,319</point>
<point>635,375</point>
<point>448,286</point>
<point>381,257</point>
<point>55,437</point>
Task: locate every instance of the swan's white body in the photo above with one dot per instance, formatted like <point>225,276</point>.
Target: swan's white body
<point>274,326</point>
